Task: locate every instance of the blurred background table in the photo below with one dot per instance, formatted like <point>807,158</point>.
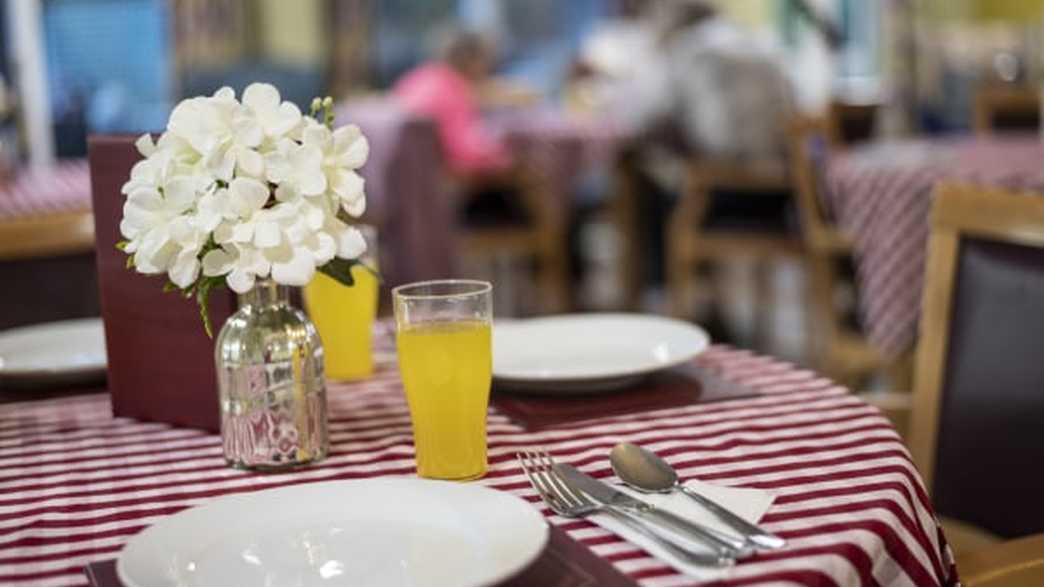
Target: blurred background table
<point>47,245</point>
<point>882,194</point>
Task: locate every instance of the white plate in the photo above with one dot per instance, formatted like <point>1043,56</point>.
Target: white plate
<point>63,351</point>
<point>583,353</point>
<point>376,532</point>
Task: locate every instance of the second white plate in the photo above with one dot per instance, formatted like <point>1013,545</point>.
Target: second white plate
<point>55,352</point>
<point>583,353</point>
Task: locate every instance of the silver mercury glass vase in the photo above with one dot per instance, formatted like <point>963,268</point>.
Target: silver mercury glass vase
<point>271,383</point>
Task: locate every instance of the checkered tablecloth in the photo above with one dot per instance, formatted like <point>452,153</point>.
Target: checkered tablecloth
<point>63,187</point>
<point>882,195</point>
<point>75,483</point>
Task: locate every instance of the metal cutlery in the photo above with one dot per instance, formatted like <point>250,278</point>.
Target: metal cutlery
<point>566,500</point>
<point>662,521</point>
<point>644,470</point>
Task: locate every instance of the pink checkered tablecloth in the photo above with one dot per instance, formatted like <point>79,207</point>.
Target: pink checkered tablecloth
<point>63,187</point>
<point>75,483</point>
<point>882,195</point>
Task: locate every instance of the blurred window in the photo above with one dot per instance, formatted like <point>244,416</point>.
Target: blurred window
<point>108,65</point>
<point>861,27</point>
<point>537,38</point>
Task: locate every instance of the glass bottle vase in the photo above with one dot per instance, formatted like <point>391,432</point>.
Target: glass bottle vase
<point>271,383</point>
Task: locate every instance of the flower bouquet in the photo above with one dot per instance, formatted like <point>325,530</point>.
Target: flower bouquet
<point>257,196</point>
<point>236,191</point>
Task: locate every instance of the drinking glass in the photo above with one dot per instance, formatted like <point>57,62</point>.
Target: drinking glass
<point>345,315</point>
<point>446,360</point>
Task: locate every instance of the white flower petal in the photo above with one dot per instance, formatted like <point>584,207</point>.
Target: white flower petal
<point>247,195</point>
<point>297,271</point>
<point>240,281</point>
<point>250,162</point>
<point>261,97</point>
<point>185,269</point>
<point>350,243</point>
<point>348,185</point>
<point>355,208</point>
<point>267,234</point>
<point>218,262</point>
<point>283,120</point>
<point>145,145</point>
<point>180,193</point>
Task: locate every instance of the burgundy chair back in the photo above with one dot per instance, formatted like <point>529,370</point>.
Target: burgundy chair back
<point>161,362</point>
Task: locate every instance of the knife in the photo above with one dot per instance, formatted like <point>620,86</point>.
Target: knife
<point>657,518</point>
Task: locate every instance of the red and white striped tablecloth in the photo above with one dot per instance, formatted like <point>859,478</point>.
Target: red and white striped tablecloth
<point>54,189</point>
<point>76,483</point>
<point>882,195</point>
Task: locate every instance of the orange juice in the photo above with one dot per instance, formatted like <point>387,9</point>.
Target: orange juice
<point>446,369</point>
<point>344,317</point>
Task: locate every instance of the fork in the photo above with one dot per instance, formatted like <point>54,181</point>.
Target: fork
<point>569,502</point>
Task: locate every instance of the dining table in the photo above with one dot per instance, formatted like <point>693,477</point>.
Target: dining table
<point>76,483</point>
<point>881,193</point>
<point>55,280</point>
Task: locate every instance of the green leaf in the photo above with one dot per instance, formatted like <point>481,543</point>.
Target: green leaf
<point>341,270</point>
<point>130,261</point>
<point>122,245</point>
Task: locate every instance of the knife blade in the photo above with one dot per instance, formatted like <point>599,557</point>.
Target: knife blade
<point>611,497</point>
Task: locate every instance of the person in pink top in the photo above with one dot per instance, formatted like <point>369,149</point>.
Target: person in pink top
<point>447,90</point>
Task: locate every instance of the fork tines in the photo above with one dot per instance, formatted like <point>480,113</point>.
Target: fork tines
<point>537,465</point>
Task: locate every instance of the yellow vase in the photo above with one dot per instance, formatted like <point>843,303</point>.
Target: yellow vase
<point>344,317</point>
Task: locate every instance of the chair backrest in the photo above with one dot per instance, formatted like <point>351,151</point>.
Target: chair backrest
<point>1006,109</point>
<point>807,139</point>
<point>978,402</point>
<point>406,190</point>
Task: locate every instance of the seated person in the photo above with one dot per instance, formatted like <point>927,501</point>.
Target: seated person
<point>452,91</point>
<point>448,90</point>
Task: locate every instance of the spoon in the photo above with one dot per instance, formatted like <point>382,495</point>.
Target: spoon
<point>645,471</point>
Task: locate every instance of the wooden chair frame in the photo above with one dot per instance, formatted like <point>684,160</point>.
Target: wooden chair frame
<point>843,355</point>
<point>688,244</point>
<point>1010,564</point>
<point>959,211</point>
<point>989,102</point>
<point>543,238</point>
<point>66,233</point>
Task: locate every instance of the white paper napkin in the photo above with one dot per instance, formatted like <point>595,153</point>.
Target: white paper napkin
<point>749,504</point>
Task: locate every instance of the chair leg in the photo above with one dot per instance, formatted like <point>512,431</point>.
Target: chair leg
<point>764,303</point>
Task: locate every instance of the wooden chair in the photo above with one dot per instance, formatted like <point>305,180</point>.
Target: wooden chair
<point>541,238</point>
<point>999,109</point>
<point>838,350</point>
<point>1016,563</point>
<point>690,241</point>
<point>47,267</point>
<point>977,405</point>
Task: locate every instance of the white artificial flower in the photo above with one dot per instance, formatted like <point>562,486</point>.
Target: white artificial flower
<point>210,178</point>
<point>276,118</point>
<point>224,134</point>
<point>241,264</point>
<point>344,150</point>
<point>237,211</point>
<point>296,169</point>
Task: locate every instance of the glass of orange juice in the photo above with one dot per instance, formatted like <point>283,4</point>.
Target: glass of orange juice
<point>446,360</point>
<point>344,315</point>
